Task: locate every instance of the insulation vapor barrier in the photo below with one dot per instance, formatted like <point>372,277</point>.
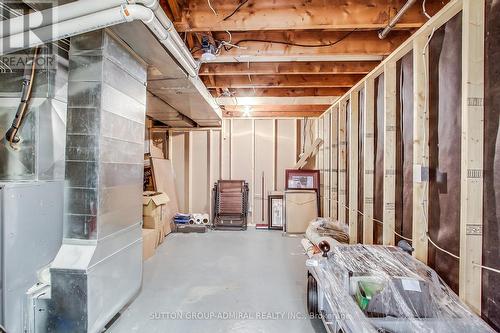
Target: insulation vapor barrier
<point>361,138</point>
<point>491,195</point>
<point>371,288</point>
<point>404,147</point>
<point>378,185</point>
<point>445,116</point>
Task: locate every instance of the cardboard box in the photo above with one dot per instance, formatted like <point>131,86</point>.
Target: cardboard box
<point>164,180</point>
<point>152,203</point>
<point>156,223</point>
<point>149,243</point>
<point>301,207</point>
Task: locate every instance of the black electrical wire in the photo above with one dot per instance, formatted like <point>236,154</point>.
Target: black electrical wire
<point>235,11</point>
<point>289,43</point>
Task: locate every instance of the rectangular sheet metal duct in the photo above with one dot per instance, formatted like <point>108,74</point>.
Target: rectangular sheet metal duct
<point>99,266</point>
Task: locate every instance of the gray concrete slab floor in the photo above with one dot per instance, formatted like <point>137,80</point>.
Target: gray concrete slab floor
<point>223,281</point>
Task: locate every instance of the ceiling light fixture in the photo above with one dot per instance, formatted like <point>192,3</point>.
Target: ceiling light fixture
<point>247,110</point>
<point>209,49</point>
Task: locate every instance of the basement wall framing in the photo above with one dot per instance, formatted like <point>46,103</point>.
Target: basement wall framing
<point>469,257</point>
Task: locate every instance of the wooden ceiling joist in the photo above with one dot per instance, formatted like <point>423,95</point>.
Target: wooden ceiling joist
<point>271,114</point>
<point>281,81</point>
<point>258,44</point>
<point>285,92</point>
<point>302,100</point>
<point>175,9</point>
<point>269,68</point>
<point>301,14</point>
<point>277,108</point>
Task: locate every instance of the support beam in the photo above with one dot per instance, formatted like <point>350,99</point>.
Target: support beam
<point>334,163</point>
<point>368,159</point>
<point>326,164</point>
<point>420,148</point>
<point>272,68</point>
<point>389,216</point>
<point>471,212</point>
<point>282,81</point>
<point>287,92</point>
<point>342,153</point>
<point>353,167</point>
<point>301,14</point>
<point>255,45</point>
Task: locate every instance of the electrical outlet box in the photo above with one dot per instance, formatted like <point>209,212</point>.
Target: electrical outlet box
<point>420,174</point>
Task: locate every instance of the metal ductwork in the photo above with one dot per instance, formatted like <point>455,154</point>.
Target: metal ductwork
<point>99,266</point>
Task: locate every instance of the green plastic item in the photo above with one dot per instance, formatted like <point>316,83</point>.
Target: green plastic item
<point>365,292</point>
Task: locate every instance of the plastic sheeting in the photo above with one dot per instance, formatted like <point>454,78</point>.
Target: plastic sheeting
<point>378,186</point>
<point>326,229</point>
<point>491,223</point>
<point>445,116</point>
<point>382,289</point>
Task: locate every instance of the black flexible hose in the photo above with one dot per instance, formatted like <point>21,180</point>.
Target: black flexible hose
<point>11,134</point>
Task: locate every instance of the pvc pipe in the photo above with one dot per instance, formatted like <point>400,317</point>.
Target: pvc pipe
<point>382,34</point>
<point>47,34</point>
<point>66,12</point>
<point>81,8</point>
<point>169,26</point>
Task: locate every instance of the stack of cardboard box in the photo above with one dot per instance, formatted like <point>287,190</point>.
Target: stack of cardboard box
<point>156,223</point>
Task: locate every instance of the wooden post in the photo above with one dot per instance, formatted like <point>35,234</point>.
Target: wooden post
<point>471,205</point>
<point>389,216</point>
<point>188,158</point>
<point>326,164</point>
<point>321,154</point>
<point>420,148</point>
<point>334,163</point>
<point>368,159</point>
<point>342,153</point>
<point>353,167</point>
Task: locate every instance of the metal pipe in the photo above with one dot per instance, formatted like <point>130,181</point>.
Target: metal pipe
<point>77,9</point>
<point>61,13</point>
<point>51,33</point>
<point>382,34</point>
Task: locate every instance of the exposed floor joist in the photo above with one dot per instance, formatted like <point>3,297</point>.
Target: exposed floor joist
<point>300,14</point>
<point>272,114</point>
<point>286,53</point>
<point>244,58</point>
<point>286,92</point>
<point>281,81</point>
<point>251,45</point>
<point>281,108</point>
<point>270,68</point>
<point>305,100</point>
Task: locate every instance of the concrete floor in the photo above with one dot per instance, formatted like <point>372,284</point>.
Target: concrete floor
<point>256,276</point>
